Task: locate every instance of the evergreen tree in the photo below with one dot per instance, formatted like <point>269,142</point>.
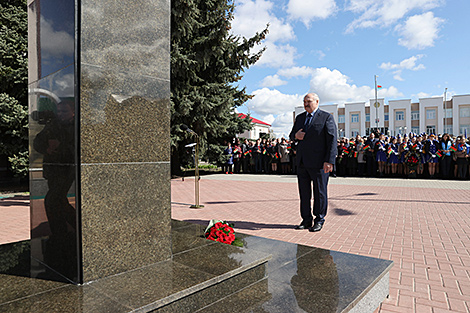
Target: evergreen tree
<point>14,84</point>
<point>206,62</point>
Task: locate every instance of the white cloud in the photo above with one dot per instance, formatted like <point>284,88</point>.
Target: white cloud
<point>381,13</point>
<point>296,71</point>
<point>64,85</point>
<point>421,95</point>
<point>272,81</point>
<point>308,11</point>
<point>53,42</point>
<point>277,56</point>
<point>331,85</point>
<point>419,31</point>
<point>406,64</point>
<point>334,87</point>
<point>252,16</point>
<point>320,54</point>
<point>271,101</point>
<point>282,125</point>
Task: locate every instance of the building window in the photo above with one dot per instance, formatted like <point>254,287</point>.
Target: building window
<point>399,116</point>
<point>386,116</point>
<point>341,133</point>
<point>448,129</point>
<point>341,119</point>
<point>354,118</point>
<point>415,115</point>
<point>464,129</point>
<point>464,112</point>
<point>367,117</point>
<point>354,132</point>
<point>430,129</point>
<point>431,114</point>
<point>448,113</point>
<point>415,130</point>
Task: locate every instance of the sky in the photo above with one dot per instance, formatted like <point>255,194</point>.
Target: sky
<point>417,49</point>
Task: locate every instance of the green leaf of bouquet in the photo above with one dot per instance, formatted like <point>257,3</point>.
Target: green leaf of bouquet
<point>237,242</point>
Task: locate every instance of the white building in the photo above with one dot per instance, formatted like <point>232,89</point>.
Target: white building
<point>429,115</point>
<point>259,128</point>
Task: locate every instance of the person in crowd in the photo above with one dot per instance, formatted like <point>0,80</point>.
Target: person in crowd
<point>361,160</point>
<point>228,152</point>
<point>352,158</point>
<point>381,156</point>
<point>420,168</point>
<point>256,155</point>
<point>315,132</point>
<point>431,147</point>
<point>341,158</point>
<point>245,161</point>
<point>264,156</point>
<point>274,155</point>
<point>369,147</point>
<point>237,153</point>
<point>462,153</point>
<point>445,161</point>
<point>393,156</point>
<point>284,156</point>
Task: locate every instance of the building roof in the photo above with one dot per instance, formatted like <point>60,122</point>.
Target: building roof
<point>253,120</point>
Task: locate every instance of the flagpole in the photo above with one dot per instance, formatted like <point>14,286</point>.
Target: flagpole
<point>445,111</point>
<point>376,106</point>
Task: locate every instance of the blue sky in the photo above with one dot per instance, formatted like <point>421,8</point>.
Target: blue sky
<point>335,47</point>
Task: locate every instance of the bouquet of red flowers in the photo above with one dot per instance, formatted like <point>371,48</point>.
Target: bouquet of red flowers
<point>222,232</point>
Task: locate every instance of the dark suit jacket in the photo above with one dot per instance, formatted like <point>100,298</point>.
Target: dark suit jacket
<point>319,144</point>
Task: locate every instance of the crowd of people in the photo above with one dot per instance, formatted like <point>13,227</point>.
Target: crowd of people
<point>407,156</point>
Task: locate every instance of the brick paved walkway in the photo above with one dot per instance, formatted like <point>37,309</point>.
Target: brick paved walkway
<point>14,219</point>
<point>422,225</point>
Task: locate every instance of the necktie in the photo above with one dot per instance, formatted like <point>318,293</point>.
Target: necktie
<point>307,121</point>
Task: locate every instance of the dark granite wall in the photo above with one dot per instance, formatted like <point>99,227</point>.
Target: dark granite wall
<point>124,135</point>
<point>112,60</point>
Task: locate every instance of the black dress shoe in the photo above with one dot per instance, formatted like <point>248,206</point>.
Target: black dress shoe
<point>303,226</point>
<point>316,227</point>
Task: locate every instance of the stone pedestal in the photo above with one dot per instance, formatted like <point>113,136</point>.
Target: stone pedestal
<point>99,136</point>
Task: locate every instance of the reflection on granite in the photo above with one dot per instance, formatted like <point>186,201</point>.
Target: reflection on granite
<point>211,277</point>
<point>161,281</point>
<point>131,36</point>
<point>222,289</point>
<point>182,241</point>
<point>132,221</point>
<point>46,19</point>
<point>250,299</point>
<point>124,117</point>
<point>231,258</point>
<point>52,176</point>
<point>69,298</point>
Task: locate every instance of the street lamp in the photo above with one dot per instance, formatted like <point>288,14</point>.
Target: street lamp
<point>196,170</point>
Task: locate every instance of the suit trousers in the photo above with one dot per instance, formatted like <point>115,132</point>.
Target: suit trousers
<point>306,178</point>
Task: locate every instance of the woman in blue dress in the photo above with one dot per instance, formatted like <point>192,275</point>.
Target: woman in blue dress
<point>381,156</point>
<point>430,149</point>
<point>393,155</point>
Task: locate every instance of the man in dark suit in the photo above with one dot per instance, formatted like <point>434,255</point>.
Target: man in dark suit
<point>315,133</point>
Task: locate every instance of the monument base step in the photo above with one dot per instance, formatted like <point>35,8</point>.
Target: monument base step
<point>204,276</point>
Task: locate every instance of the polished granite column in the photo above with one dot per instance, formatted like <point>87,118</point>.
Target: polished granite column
<point>99,136</point>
